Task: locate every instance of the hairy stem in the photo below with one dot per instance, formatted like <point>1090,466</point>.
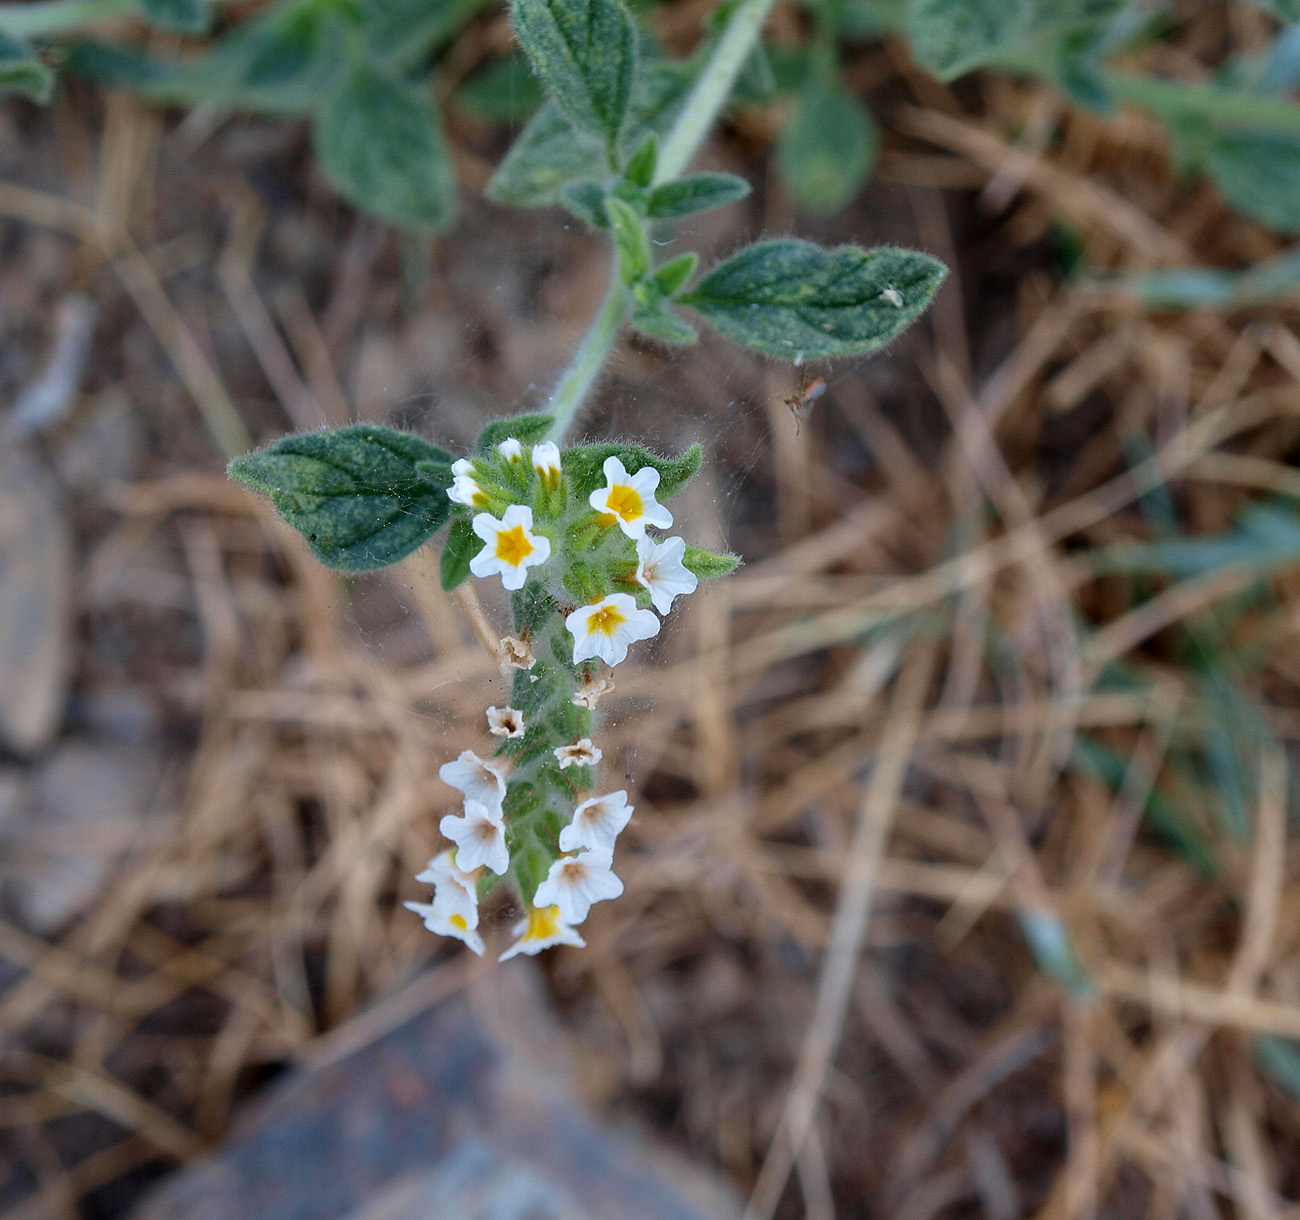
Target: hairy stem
<point>590,357</point>
<point>713,88</point>
<point>54,16</point>
<point>698,115</point>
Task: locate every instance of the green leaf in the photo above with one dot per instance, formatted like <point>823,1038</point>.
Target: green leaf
<point>585,53</point>
<point>586,200</point>
<point>527,429</point>
<point>828,147</point>
<point>380,142</point>
<point>950,37</point>
<point>183,16</point>
<point>1258,172</point>
<point>797,300</point>
<point>361,496</point>
<point>695,193</point>
<point>583,466</point>
<point>630,238</point>
<point>659,323</point>
<point>402,32</point>
<point>706,565</point>
<point>21,72</point>
<point>549,152</point>
<point>505,91</point>
<point>640,170</point>
<point>671,276</point>
<point>461,546</point>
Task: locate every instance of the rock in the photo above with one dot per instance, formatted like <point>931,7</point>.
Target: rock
<point>460,1112</point>
<point>35,598</point>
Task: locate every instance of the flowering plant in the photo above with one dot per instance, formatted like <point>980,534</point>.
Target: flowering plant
<point>567,528</point>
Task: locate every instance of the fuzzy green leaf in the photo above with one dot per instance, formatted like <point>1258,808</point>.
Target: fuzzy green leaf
<point>800,301</point>
<point>583,466</point>
<point>707,565</point>
<point>183,16</point>
<point>695,193</point>
<point>363,496</point>
<point>527,429</point>
<point>461,546</point>
<point>671,277</point>
<point>641,166</point>
<point>828,147</point>
<point>659,323</point>
<point>586,200</point>
<point>402,32</point>
<point>950,37</point>
<point>1258,172</point>
<point>630,238</point>
<point>21,72</point>
<point>505,91</point>
<point>585,53</point>
<point>380,142</point>
<point>550,152</point>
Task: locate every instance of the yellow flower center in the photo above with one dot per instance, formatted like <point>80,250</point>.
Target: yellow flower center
<point>458,922</point>
<point>606,620</point>
<point>513,546</point>
<point>543,923</point>
<point>625,502</point>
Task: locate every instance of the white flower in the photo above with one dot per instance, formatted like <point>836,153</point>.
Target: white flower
<point>447,925</point>
<point>465,488</point>
<point>477,780</point>
<point>575,882</point>
<point>596,823</point>
<point>517,653</point>
<point>581,754</point>
<point>659,568</point>
<point>630,498</point>
<point>543,928</point>
<point>511,547</point>
<point>546,461</point>
<point>606,628</point>
<point>480,838</point>
<point>591,691</point>
<point>510,448</point>
<point>505,722</point>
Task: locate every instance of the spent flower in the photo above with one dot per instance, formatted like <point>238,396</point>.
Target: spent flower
<point>581,753</point>
<point>505,722</point>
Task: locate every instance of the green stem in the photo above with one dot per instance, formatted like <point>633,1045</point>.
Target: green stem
<point>590,357</point>
<point>54,16</point>
<point>713,88</point>
<point>1175,99</point>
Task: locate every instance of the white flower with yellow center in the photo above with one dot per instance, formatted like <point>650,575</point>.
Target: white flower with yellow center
<point>606,628</point>
<point>660,569</point>
<point>597,823</point>
<point>581,754</point>
<point>476,779</point>
<point>454,924</point>
<point>546,461</point>
<point>543,927</point>
<point>511,546</point>
<point>630,498</point>
<point>464,488</point>
<point>574,883</point>
<point>505,722</point>
<point>480,838</point>
<point>510,449</point>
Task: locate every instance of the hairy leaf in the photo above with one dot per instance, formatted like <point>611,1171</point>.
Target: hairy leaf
<point>583,465</point>
<point>953,36</point>
<point>706,565</point>
<point>586,200</point>
<point>694,193</point>
<point>505,91</point>
<point>1258,172</point>
<point>671,276</point>
<point>403,32</point>
<point>585,52</point>
<point>659,323</point>
<point>380,142</point>
<point>640,169</point>
<point>183,16</point>
<point>461,546</point>
<point>629,237</point>
<point>828,147</point>
<point>363,496</point>
<point>21,72</point>
<point>549,152</point>
<point>800,301</point>
<point>527,429</point>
